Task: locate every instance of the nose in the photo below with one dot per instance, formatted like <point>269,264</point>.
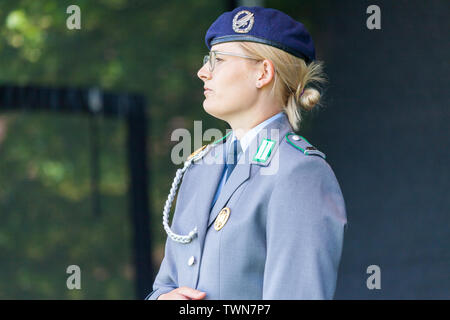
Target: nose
<point>204,73</point>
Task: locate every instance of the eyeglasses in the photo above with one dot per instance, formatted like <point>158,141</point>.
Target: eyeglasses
<point>211,58</point>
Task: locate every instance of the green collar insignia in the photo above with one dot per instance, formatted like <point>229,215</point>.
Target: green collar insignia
<point>264,150</point>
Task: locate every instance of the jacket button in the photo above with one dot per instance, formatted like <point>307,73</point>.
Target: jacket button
<point>191,261</point>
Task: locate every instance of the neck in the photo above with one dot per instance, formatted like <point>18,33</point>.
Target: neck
<point>247,119</point>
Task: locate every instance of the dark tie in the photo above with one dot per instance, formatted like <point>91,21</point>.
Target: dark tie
<point>232,158</point>
<point>230,163</point>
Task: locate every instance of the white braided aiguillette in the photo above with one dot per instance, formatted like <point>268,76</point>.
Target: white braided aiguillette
<point>178,176</point>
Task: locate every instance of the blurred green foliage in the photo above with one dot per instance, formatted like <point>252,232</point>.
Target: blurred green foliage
<point>151,47</point>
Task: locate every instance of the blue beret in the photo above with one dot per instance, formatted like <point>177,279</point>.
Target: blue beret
<point>262,25</point>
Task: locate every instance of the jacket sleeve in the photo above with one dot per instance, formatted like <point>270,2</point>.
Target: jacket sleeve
<point>304,232</point>
<point>166,279</point>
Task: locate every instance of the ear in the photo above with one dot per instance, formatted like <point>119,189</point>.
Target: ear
<point>265,73</point>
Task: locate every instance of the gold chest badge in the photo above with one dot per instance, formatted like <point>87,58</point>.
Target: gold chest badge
<point>222,218</point>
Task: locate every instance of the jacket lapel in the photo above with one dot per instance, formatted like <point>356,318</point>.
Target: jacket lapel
<point>276,131</point>
<point>209,171</point>
<point>240,174</point>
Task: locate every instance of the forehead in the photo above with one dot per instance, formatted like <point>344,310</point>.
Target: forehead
<point>227,47</point>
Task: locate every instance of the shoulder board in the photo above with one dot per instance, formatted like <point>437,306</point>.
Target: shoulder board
<point>196,152</point>
<point>201,152</point>
<point>303,145</point>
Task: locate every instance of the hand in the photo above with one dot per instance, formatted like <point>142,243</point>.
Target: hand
<point>183,293</point>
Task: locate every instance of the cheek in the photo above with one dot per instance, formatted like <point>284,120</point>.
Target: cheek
<point>234,91</point>
<point>237,87</point>
<point>243,95</point>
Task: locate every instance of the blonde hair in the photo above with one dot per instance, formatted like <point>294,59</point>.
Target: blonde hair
<point>292,76</point>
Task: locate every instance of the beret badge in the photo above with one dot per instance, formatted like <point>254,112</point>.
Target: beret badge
<point>243,21</point>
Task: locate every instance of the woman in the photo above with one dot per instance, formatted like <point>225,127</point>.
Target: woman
<point>270,227</point>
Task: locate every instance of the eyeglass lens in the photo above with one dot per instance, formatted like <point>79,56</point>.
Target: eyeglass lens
<point>211,59</point>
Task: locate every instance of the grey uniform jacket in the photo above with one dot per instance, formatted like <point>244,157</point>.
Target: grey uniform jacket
<point>284,235</point>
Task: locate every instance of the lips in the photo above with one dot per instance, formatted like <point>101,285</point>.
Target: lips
<point>207,90</point>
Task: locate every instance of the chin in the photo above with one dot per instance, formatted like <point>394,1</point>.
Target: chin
<point>213,110</point>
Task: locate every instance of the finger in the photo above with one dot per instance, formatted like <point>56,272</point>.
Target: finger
<point>173,295</point>
<point>200,297</point>
<point>191,293</point>
<point>178,296</point>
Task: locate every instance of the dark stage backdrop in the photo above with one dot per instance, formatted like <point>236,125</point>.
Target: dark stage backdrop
<point>385,130</point>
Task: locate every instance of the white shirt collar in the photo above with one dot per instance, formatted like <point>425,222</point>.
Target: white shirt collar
<point>252,133</point>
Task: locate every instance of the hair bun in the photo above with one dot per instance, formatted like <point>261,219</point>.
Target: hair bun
<point>309,98</point>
